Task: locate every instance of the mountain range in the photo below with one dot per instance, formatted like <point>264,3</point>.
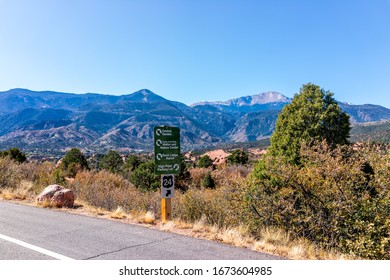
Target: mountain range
<point>55,121</point>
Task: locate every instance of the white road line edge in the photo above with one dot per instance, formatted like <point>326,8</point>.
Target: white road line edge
<point>34,248</point>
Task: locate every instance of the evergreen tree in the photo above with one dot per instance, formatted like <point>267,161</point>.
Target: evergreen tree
<point>205,162</point>
<point>112,162</point>
<point>312,116</point>
<point>132,163</point>
<point>74,161</point>
<point>183,178</point>
<point>238,157</point>
<point>144,178</point>
<point>208,181</point>
<point>15,154</point>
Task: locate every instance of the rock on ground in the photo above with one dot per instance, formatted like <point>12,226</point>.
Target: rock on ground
<point>57,195</point>
<point>48,192</point>
<point>63,198</point>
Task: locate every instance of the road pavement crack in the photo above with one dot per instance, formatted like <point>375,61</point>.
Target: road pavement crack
<point>126,248</point>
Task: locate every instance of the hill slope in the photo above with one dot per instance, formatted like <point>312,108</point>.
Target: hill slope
<point>55,120</point>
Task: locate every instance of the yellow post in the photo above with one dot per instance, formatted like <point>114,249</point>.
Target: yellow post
<point>166,209</point>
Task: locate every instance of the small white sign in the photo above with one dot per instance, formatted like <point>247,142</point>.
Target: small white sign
<point>167,185</point>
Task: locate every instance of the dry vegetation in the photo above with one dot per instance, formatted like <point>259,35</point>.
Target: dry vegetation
<point>239,210</point>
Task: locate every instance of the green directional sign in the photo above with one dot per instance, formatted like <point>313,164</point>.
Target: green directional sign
<point>166,150</point>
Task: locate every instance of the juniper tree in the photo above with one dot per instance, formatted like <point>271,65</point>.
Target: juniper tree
<point>312,116</point>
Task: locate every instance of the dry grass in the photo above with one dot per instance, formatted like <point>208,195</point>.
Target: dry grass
<point>197,175</point>
<point>199,225</point>
<point>168,226</point>
<point>118,214</point>
<point>236,236</point>
<point>45,204</point>
<point>208,214</point>
<point>272,240</point>
<point>143,217</point>
<point>22,192</point>
<point>277,241</point>
<point>85,207</point>
<point>182,224</point>
<point>149,217</point>
<point>6,195</point>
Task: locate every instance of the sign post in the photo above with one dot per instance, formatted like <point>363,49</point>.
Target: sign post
<point>167,163</point>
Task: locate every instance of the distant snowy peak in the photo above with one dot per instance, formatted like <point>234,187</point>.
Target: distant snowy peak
<point>346,103</point>
<point>262,98</point>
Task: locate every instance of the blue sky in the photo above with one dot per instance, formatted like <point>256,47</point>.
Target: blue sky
<point>196,50</point>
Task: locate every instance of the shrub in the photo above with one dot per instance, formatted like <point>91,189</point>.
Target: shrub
<point>313,114</point>
<point>196,176</point>
<point>110,191</point>
<point>15,154</point>
<point>189,206</point>
<point>182,180</point>
<point>222,206</point>
<point>238,157</point>
<point>112,162</point>
<point>41,175</point>
<point>132,163</point>
<point>208,181</point>
<point>205,162</point>
<point>230,175</point>
<point>73,162</point>
<point>144,178</point>
<point>10,173</point>
<point>330,199</point>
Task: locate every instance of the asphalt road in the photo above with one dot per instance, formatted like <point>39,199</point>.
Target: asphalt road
<point>31,233</point>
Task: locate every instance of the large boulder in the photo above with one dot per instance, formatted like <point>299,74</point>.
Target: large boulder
<point>48,193</point>
<point>63,198</point>
<point>57,196</point>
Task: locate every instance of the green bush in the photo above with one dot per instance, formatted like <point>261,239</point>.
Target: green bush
<point>144,178</point>
<point>182,180</point>
<point>73,162</point>
<point>132,163</point>
<point>205,162</point>
<point>208,181</point>
<point>238,157</point>
<point>15,154</point>
<point>112,161</point>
